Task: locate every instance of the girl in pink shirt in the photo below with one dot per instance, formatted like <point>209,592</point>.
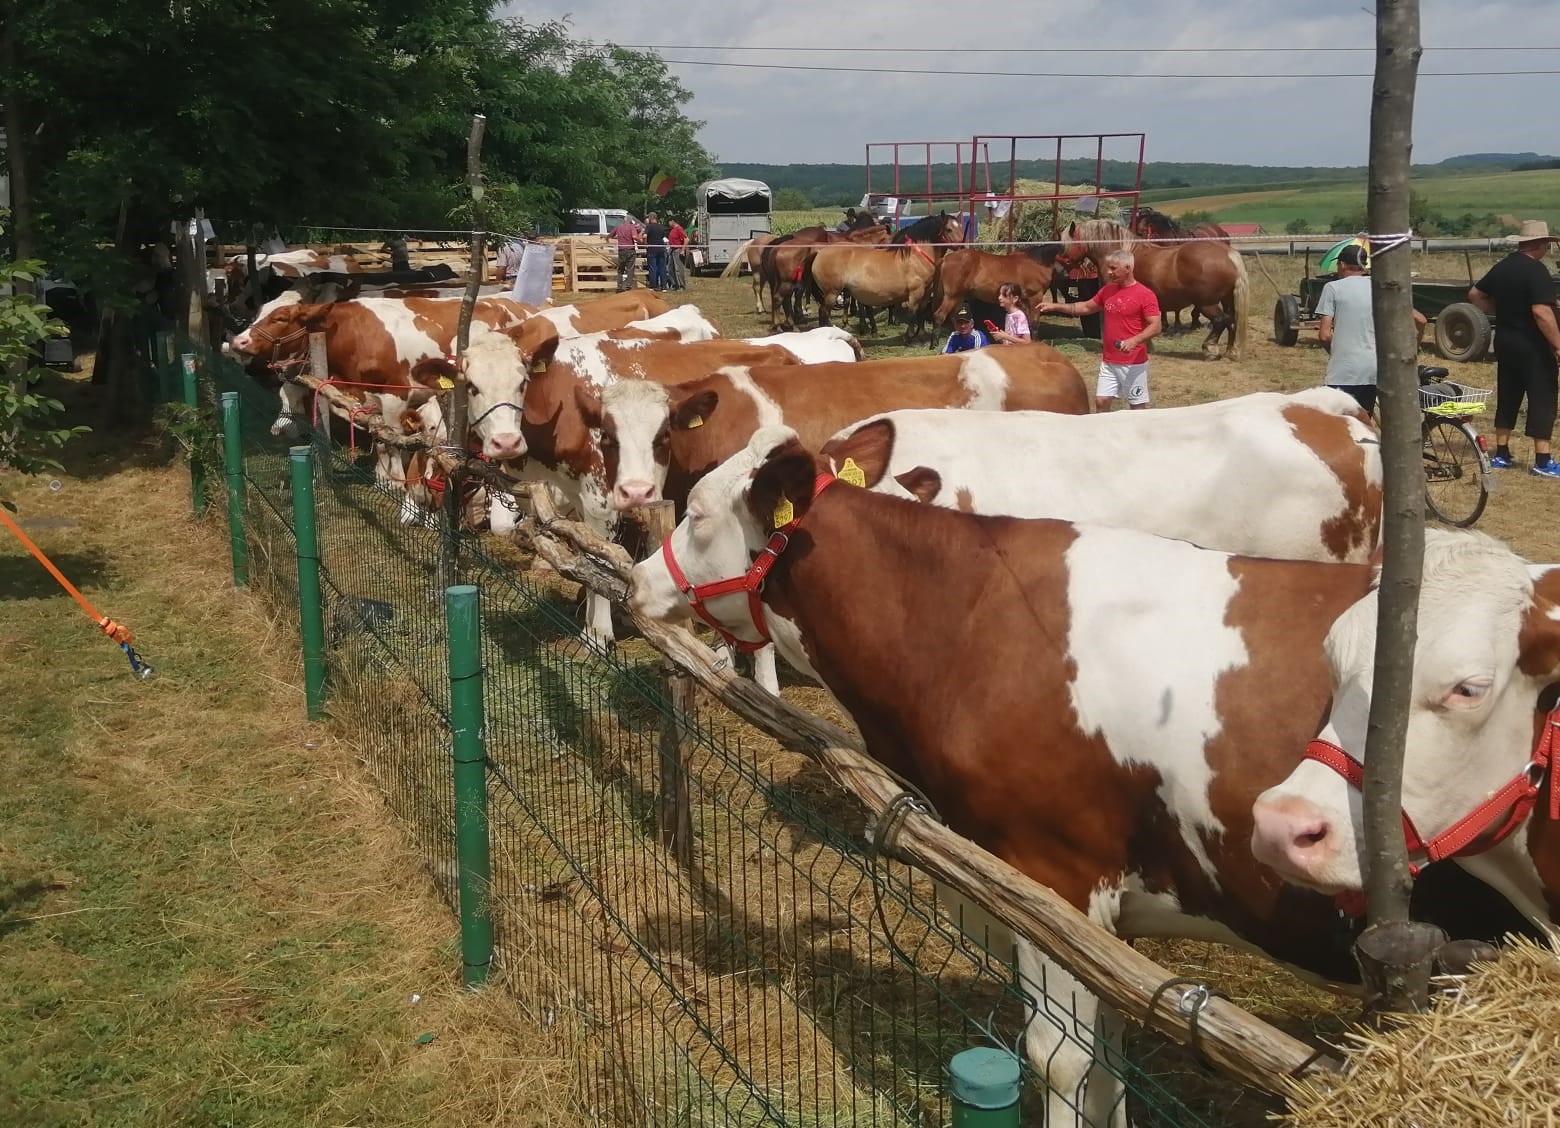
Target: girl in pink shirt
<point>1015,330</point>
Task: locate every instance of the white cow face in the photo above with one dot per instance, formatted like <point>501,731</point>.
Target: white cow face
<point>1488,647</point>
<point>636,419</point>
<point>496,378</point>
<point>723,531</point>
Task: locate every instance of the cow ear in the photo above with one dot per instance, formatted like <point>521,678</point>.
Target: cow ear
<point>588,400</point>
<point>869,446</point>
<point>1538,646</point>
<point>537,339</point>
<point>782,489</point>
<point>922,481</point>
<point>435,373</point>
<point>694,411</point>
<point>419,397</point>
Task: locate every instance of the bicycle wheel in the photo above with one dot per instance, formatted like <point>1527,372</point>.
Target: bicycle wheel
<point>1456,489</point>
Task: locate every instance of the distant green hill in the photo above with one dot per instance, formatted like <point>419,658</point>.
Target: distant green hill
<point>843,184</point>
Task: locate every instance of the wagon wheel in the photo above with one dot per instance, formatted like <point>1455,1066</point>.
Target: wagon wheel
<point>1286,320</point>
<point>1462,332</point>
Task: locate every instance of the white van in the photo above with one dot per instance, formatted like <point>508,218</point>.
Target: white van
<point>730,212</point>
<point>593,221</point>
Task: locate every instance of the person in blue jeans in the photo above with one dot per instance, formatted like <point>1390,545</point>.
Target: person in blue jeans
<point>656,234</point>
<point>965,336</point>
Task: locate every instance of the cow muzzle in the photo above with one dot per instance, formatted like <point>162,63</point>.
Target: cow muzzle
<point>1294,837</point>
<point>504,445</point>
<point>633,494</point>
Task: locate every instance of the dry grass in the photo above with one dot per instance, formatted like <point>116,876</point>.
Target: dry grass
<point>1486,1054</point>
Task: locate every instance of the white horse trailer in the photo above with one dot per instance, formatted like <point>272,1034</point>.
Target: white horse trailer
<point>730,212</point>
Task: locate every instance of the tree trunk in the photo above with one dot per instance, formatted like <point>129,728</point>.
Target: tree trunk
<point>24,230</point>
<point>1391,131</point>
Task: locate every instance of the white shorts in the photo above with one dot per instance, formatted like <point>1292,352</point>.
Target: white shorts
<point>1127,381</point>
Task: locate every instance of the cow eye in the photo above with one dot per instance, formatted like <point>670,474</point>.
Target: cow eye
<point>1468,693</point>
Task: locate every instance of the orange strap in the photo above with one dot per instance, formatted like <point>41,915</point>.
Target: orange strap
<point>116,631</point>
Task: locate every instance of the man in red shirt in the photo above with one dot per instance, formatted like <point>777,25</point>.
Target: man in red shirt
<point>1131,320</point>
<point>677,240</point>
<point>626,236</point>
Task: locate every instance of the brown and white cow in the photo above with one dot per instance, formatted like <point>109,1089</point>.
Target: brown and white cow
<point>371,343</point>
<point>1483,732</point>
<point>668,439</point>
<point>1294,477</point>
<point>1097,707</point>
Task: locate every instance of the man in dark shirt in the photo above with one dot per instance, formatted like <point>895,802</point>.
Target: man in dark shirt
<point>655,251</point>
<point>1520,293</point>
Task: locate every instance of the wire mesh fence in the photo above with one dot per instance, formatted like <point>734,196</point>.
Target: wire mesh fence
<point>775,972</point>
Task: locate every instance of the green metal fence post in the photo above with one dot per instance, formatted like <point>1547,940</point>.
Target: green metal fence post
<point>311,618</point>
<point>984,1085</point>
<point>233,461</point>
<point>162,351</point>
<point>471,817</point>
<point>197,467</point>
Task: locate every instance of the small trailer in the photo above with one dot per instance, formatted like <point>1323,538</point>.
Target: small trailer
<point>728,213</point>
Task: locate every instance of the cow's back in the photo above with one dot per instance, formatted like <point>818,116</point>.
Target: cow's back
<point>1291,477</point>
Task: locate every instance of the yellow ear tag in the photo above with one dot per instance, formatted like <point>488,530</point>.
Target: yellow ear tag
<point>696,421</point>
<point>538,367</point>
<point>446,383</point>
<point>852,475</point>
<point>785,513</point>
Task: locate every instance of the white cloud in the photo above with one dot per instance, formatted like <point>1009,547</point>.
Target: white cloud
<point>800,116</point>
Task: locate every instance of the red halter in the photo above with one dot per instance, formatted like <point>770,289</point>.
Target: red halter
<point>1515,799</point>
<point>751,581</point>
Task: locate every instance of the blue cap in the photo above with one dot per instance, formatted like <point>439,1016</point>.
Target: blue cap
<point>985,1078</point>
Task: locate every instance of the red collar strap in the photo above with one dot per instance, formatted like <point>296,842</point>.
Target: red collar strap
<point>1515,800</point>
<point>914,246</point>
<point>751,581</point>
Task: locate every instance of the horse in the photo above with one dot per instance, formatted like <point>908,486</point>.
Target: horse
<point>1156,226</point>
<point>781,262</point>
<point>970,273</point>
<point>901,274</point>
<point>752,253</point>
<point>1208,276</point>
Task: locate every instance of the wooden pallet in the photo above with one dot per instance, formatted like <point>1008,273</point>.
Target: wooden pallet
<point>586,264</point>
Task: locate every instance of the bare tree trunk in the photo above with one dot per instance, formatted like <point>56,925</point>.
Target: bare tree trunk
<point>24,230</point>
<point>1387,881</point>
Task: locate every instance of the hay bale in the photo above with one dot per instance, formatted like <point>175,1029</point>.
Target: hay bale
<point>1033,219</point>
<point>1486,1053</point>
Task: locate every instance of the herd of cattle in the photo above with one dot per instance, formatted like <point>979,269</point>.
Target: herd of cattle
<point>1130,654</point>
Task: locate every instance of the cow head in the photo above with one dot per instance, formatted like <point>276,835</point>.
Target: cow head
<point>731,514</point>
<point>636,419</point>
<point>283,323</point>
<point>496,380</point>
<point>1488,648</point>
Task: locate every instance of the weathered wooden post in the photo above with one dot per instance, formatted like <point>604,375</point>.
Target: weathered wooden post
<point>463,617</point>
<point>319,368</point>
<point>1394,954</point>
<point>233,462</point>
<point>311,619</point>
<point>676,811</point>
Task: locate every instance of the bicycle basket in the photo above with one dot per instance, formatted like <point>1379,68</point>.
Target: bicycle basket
<point>1453,399</point>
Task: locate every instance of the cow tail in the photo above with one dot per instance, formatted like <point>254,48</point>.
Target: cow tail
<point>734,267</point>
<point>1242,306</point>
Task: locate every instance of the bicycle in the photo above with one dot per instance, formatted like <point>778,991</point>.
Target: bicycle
<point>1457,466</point>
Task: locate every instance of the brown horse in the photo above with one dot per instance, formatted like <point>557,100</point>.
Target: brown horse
<point>971,273</point>
<point>782,260</point>
<point>901,274</point>
<point>1208,276</point>
<point>752,253</point>
<point>1157,227</point>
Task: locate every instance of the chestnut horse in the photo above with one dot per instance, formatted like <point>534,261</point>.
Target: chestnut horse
<point>1208,276</point>
<point>752,253</point>
<point>971,273</point>
<point>1154,225</point>
<point>901,274</point>
<point>782,261</point>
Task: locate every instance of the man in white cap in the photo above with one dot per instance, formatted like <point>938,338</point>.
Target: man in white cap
<point>1520,293</point>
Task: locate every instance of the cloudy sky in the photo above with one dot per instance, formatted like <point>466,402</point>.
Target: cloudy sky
<point>784,116</point>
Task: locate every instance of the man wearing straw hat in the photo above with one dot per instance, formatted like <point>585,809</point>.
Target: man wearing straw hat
<point>1519,292</point>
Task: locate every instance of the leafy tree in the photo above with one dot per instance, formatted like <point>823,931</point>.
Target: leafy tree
<point>792,199</point>
<point>1297,226</point>
<point>29,430</point>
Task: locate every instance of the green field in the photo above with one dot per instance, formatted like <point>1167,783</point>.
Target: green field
<point>1526,195</point>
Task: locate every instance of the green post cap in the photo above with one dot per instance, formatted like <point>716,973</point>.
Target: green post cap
<point>984,1077</point>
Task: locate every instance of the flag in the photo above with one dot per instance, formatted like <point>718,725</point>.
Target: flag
<point>661,183</point>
